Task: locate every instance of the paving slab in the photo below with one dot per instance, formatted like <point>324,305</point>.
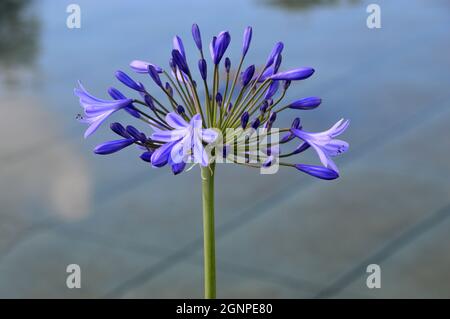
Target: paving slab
<point>185,280</point>
<point>37,267</point>
<point>419,269</point>
<point>323,230</point>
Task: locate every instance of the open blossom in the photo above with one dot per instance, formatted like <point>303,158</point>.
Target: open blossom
<point>194,113</point>
<point>97,110</point>
<point>184,142</point>
<point>325,144</point>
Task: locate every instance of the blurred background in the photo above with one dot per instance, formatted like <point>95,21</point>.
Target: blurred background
<point>136,232</point>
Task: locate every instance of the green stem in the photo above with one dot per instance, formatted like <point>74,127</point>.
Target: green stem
<point>209,253</point>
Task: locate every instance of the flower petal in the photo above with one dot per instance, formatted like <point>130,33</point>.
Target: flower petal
<point>209,135</point>
<point>142,67</point>
<point>161,156</point>
<point>199,152</point>
<point>317,171</point>
<point>112,146</point>
<point>96,123</point>
<point>176,121</point>
<point>178,168</point>
<point>168,136</point>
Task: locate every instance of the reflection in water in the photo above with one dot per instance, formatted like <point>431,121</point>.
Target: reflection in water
<point>308,4</point>
<point>19,30</point>
<point>51,183</point>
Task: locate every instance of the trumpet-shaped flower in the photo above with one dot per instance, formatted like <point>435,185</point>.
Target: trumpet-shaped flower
<point>325,144</point>
<point>97,110</point>
<point>185,141</point>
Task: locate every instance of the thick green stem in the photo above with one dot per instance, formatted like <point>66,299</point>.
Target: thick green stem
<point>209,249</point>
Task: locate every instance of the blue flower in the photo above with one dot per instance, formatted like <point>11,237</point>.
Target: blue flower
<point>184,142</point>
<point>318,171</point>
<point>246,100</point>
<point>97,110</point>
<point>142,67</point>
<point>219,45</point>
<point>113,146</point>
<point>325,144</point>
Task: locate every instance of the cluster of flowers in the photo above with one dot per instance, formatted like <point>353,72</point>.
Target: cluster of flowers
<point>247,100</point>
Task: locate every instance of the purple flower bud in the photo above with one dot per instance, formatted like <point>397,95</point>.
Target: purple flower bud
<point>263,107</point>
<point>146,156</point>
<point>286,84</point>
<point>177,168</point>
<point>277,63</point>
<point>132,111</point>
<point>169,89</point>
<point>180,109</point>
<point>301,148</point>
<point>219,99</point>
<point>225,150</point>
<point>227,65</point>
<point>142,67</point>
<point>119,130</point>
<point>197,37</point>
<point>230,107</point>
<point>289,136</point>
<point>275,51</point>
<point>136,134</point>
<point>154,75</point>
<point>256,123</point>
<point>172,65</point>
<point>268,72</point>
<point>116,94</point>
<point>272,117</point>
<point>269,161</point>
<point>307,103</point>
<point>296,123</point>
<point>112,146</point>
<point>125,79</point>
<point>149,101</point>
<point>247,75</point>
<point>244,119</point>
<point>317,171</point>
<point>212,48</point>
<point>273,88</point>
<point>178,45</point>
<point>203,68</point>
<point>180,61</point>
<point>293,75</point>
<point>219,45</point>
<point>247,39</point>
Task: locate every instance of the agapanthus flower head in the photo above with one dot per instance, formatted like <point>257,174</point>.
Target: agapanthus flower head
<point>190,125</point>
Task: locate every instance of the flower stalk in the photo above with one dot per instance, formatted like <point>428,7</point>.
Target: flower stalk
<point>209,249</point>
<point>234,121</point>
